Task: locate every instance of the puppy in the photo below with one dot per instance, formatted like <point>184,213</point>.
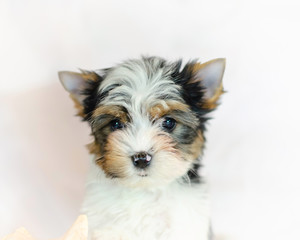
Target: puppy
<point>148,117</point>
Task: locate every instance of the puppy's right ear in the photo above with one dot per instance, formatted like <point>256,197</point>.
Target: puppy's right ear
<point>79,85</point>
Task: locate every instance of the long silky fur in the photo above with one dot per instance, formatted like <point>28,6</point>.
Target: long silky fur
<point>168,200</point>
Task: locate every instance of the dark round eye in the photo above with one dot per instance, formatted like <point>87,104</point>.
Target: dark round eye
<point>116,124</point>
<point>169,123</point>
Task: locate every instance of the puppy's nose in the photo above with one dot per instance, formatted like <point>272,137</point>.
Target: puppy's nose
<point>141,159</point>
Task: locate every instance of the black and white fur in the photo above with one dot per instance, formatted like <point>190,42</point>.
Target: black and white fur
<point>159,109</point>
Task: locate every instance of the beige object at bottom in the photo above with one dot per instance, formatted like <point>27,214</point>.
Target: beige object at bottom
<point>78,231</point>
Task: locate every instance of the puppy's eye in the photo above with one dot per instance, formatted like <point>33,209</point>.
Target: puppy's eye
<point>116,124</point>
<point>169,123</point>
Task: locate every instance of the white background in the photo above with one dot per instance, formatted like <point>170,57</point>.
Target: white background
<point>252,158</point>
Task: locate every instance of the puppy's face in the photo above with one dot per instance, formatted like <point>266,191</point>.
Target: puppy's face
<point>147,117</point>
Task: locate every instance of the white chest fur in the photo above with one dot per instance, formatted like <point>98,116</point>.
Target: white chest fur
<point>174,212</point>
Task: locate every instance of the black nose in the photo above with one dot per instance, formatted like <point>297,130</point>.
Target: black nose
<point>141,159</point>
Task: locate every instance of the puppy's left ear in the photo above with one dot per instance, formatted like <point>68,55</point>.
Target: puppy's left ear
<point>79,85</point>
<point>210,75</point>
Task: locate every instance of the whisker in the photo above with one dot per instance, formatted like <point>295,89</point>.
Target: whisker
<point>194,172</point>
<point>187,179</point>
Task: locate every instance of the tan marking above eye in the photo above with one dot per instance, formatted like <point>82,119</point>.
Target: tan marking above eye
<point>113,110</point>
<point>162,109</point>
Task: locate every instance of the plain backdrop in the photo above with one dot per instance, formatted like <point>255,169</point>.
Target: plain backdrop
<point>252,159</point>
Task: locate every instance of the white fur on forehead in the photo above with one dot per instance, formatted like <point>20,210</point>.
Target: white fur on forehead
<point>141,82</point>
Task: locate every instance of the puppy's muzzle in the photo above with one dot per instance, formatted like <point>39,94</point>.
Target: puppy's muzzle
<point>141,159</point>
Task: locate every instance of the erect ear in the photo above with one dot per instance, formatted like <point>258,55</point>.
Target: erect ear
<point>77,84</point>
<point>210,75</point>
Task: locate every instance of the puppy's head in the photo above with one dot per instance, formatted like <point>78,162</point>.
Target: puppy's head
<point>147,116</point>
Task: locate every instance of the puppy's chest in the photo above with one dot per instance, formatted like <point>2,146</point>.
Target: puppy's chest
<point>139,214</point>
<point>150,219</point>
<point>147,215</point>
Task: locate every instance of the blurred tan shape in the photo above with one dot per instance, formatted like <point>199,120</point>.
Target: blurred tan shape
<point>78,231</point>
<point>19,234</point>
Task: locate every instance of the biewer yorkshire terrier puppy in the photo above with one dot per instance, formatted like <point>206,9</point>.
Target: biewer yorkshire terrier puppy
<point>148,117</point>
